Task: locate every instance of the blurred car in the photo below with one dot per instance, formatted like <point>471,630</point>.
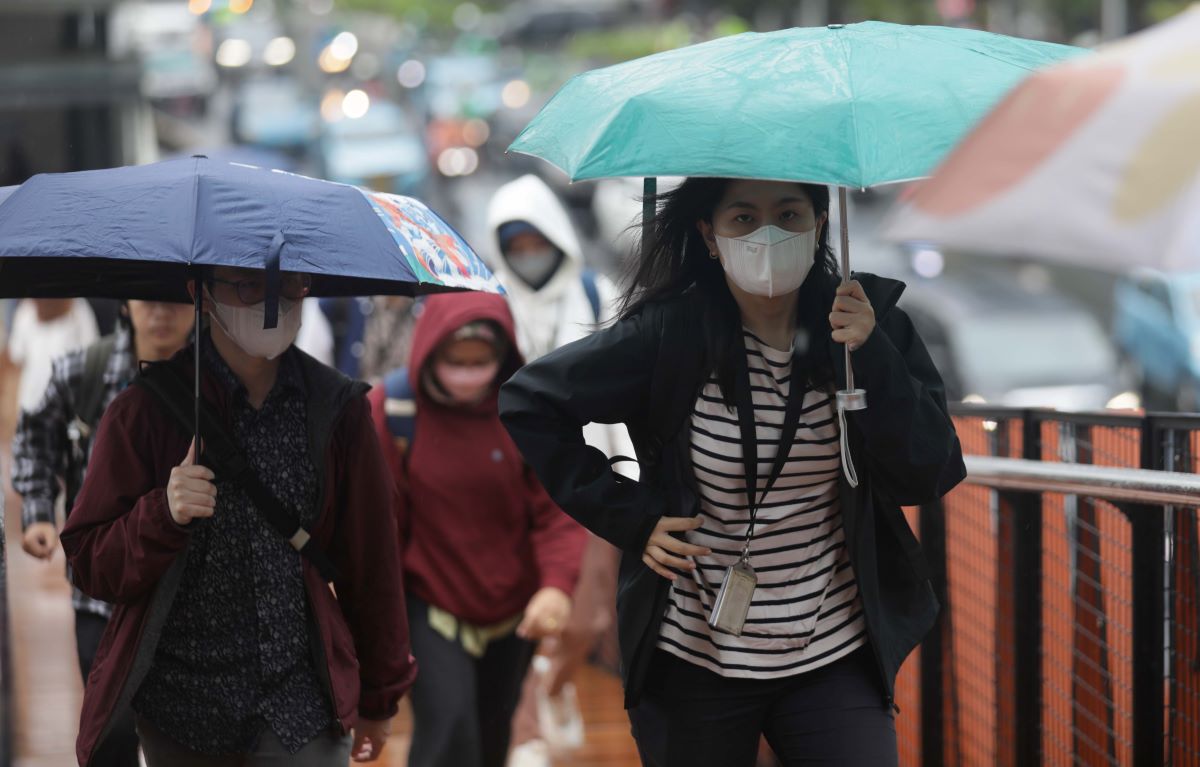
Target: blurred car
<point>251,43</point>
<point>275,112</point>
<point>997,342</point>
<point>1156,325</point>
<point>538,23</point>
<point>174,47</point>
<point>381,150</point>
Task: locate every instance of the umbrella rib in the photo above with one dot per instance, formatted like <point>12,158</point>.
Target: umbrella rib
<point>853,112</point>
<point>190,255</point>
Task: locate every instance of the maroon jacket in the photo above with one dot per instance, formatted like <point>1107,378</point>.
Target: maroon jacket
<point>125,549</point>
<point>480,534</point>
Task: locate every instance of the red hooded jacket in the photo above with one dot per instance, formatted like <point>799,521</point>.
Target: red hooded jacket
<point>480,535</point>
<point>125,549</point>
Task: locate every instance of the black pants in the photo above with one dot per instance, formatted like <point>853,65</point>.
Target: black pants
<point>834,715</point>
<point>462,706</point>
<point>120,748</point>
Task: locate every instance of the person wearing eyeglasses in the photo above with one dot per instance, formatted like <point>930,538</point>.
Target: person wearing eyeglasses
<point>226,641</point>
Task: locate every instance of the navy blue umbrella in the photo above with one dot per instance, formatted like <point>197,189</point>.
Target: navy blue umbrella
<point>142,232</point>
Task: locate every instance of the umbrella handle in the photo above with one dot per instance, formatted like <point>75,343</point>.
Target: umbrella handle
<point>199,303</point>
<point>850,398</point>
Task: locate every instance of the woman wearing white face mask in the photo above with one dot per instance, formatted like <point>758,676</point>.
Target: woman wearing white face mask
<point>229,646</point>
<point>762,593</point>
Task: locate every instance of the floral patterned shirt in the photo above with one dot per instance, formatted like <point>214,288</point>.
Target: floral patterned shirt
<point>235,653</point>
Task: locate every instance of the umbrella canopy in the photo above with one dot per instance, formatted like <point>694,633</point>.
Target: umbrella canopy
<point>1095,162</point>
<point>138,232</point>
<point>854,105</point>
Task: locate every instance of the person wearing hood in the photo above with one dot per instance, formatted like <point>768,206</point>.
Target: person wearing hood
<point>490,561</point>
<point>234,642</point>
<point>557,299</point>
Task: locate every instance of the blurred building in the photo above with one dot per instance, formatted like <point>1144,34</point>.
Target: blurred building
<point>65,102</point>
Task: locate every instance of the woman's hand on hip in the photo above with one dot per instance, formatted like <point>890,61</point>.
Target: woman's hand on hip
<point>546,615</point>
<point>665,553</point>
<point>852,317</point>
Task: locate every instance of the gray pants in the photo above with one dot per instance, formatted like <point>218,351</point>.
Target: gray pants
<point>326,751</point>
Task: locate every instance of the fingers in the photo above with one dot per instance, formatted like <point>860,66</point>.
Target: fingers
<point>659,555</point>
<point>852,305</point>
<point>37,547</point>
<point>194,484</point>
<point>676,546</point>
<point>188,512</point>
<point>852,288</point>
<point>677,524</point>
<point>190,458</point>
<point>526,629</point>
<point>201,500</point>
<point>656,567</point>
<point>202,473</point>
<point>368,746</point>
<point>852,337</point>
<point>40,541</point>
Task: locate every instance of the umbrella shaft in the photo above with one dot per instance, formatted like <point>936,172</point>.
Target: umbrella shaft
<point>844,217</point>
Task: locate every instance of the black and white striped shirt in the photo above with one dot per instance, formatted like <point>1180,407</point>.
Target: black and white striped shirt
<point>806,612</point>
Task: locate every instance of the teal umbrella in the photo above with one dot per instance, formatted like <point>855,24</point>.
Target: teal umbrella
<point>851,105</point>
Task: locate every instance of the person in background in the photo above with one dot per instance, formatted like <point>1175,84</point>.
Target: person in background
<point>489,561</point>
<point>42,330</point>
<point>52,445</point>
<point>556,299</point>
<point>235,642</point>
<point>387,335</point>
<point>316,334</point>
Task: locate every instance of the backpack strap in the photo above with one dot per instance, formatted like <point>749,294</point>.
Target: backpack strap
<point>221,453</point>
<point>400,408</point>
<point>593,292</point>
<point>88,393</point>
<point>87,396</point>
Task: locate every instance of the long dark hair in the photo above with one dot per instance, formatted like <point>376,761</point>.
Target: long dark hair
<point>678,261</point>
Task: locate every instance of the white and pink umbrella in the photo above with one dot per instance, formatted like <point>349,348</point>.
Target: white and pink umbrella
<point>1094,162</point>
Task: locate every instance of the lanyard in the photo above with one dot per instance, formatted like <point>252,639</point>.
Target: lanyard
<point>749,431</point>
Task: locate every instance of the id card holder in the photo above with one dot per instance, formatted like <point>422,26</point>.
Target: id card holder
<point>733,600</point>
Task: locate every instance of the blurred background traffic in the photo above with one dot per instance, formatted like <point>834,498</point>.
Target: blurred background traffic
<point>422,97</point>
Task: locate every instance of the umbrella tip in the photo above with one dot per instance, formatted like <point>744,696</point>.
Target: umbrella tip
<point>200,156</point>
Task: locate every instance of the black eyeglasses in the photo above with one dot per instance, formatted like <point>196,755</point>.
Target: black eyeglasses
<point>292,286</point>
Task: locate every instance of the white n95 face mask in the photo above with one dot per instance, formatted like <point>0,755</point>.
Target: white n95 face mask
<point>244,326</point>
<point>769,261</point>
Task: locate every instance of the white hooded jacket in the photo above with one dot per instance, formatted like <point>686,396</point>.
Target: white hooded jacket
<point>560,312</point>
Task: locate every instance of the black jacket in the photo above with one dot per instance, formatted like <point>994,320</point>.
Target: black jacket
<point>646,372</point>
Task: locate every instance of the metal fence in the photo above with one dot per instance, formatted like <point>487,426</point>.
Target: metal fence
<point>1070,631</point>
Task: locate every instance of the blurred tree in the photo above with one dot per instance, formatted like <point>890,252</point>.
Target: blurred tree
<point>896,11</point>
<point>434,12</point>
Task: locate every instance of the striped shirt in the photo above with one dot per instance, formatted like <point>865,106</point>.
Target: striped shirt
<point>806,612</point>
